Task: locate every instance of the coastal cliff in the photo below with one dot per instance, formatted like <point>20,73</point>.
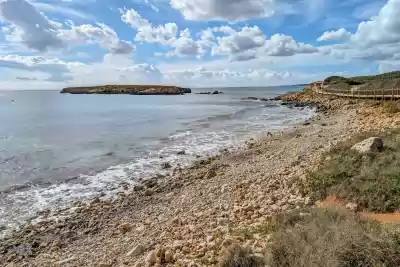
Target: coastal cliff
<point>128,89</point>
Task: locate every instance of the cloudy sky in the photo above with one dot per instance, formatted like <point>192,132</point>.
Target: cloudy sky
<point>49,44</point>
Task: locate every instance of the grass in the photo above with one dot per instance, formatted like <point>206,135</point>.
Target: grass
<point>323,238</point>
<point>372,181</point>
<point>392,107</point>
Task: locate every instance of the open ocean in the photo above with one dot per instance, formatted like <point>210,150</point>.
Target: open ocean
<point>56,149</point>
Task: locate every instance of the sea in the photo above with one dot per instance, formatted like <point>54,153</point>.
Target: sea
<point>57,148</point>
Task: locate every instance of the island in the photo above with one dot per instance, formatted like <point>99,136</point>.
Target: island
<point>128,89</point>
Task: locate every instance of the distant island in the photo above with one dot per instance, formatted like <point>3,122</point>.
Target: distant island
<point>128,89</point>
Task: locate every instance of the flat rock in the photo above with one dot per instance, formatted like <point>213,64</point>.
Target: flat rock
<point>370,145</point>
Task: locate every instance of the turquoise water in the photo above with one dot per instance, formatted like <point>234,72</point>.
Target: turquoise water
<point>57,148</point>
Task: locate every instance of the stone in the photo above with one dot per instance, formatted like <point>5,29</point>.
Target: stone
<point>352,207</point>
<point>182,152</point>
<point>66,261</point>
<point>168,256</point>
<point>166,165</point>
<point>124,228</point>
<point>136,251</point>
<point>151,258</point>
<point>370,145</point>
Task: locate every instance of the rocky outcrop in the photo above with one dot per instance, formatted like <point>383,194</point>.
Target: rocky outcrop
<point>370,145</point>
<point>128,89</point>
<point>211,93</point>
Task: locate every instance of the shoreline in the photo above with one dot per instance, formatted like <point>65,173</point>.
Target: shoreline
<point>192,213</point>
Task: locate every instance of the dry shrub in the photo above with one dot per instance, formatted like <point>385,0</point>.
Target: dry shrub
<point>391,107</point>
<point>328,238</point>
<point>372,181</point>
<point>236,256</point>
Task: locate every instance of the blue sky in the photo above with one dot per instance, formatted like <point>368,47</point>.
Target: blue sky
<point>49,44</point>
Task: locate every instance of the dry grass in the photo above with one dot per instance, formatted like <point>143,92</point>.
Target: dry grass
<point>236,256</point>
<point>331,238</point>
<point>391,107</point>
<point>372,181</point>
<point>323,238</point>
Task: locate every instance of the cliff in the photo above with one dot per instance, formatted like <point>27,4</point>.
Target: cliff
<point>128,89</point>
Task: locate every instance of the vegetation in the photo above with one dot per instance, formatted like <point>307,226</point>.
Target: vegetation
<point>322,238</point>
<point>387,84</point>
<point>391,107</point>
<point>372,181</point>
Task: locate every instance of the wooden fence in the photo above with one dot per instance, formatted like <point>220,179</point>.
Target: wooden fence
<point>377,94</point>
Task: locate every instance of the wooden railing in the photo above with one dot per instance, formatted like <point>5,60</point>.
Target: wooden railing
<point>377,94</point>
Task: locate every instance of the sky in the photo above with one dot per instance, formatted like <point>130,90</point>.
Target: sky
<point>51,44</point>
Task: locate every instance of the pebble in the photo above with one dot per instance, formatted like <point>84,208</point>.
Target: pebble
<point>151,258</point>
<point>138,250</point>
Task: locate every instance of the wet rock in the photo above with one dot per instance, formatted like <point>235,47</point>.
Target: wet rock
<point>370,145</point>
<point>182,152</point>
<point>166,165</point>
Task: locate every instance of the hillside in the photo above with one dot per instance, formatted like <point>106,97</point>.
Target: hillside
<point>382,84</point>
<point>128,89</point>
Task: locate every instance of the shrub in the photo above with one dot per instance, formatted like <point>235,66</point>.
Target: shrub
<point>323,238</point>
<point>372,181</point>
<point>236,256</point>
<point>392,107</point>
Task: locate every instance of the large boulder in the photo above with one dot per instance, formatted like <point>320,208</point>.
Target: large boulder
<point>370,145</point>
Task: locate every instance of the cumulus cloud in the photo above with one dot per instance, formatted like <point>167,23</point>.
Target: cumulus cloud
<point>240,45</point>
<point>183,45</point>
<point>30,28</point>
<point>282,45</point>
<point>100,33</point>
<point>224,77</point>
<point>56,69</point>
<point>233,10</point>
<point>381,29</point>
<point>338,35</point>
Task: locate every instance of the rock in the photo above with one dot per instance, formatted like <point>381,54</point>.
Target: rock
<point>151,258</point>
<point>182,152</point>
<point>124,228</point>
<point>370,145</point>
<point>136,251</point>
<point>216,92</point>
<point>166,165</point>
<point>352,207</point>
<point>168,256</point>
<point>66,261</point>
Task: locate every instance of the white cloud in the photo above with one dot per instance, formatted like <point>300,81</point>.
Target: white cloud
<point>101,34</point>
<point>33,30</point>
<point>282,46</point>
<point>381,29</point>
<point>233,10</point>
<point>29,26</point>
<point>338,35</point>
<point>240,45</point>
<point>56,69</point>
<point>53,73</point>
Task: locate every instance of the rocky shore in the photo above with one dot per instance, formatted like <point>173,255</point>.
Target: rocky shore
<point>128,89</point>
<point>189,217</point>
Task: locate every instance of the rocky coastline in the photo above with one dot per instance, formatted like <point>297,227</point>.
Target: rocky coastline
<point>128,89</point>
<point>187,218</point>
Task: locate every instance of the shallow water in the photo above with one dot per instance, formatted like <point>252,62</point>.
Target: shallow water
<point>55,149</point>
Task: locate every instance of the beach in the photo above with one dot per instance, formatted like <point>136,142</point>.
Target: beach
<point>188,217</point>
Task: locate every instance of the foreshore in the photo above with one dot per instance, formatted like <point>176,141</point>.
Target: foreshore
<point>189,217</point>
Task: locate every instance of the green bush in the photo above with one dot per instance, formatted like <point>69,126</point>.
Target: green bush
<point>372,181</point>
